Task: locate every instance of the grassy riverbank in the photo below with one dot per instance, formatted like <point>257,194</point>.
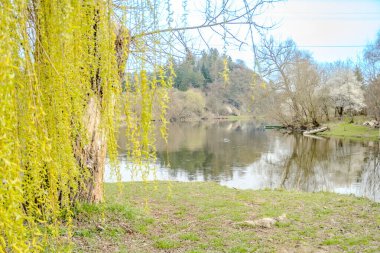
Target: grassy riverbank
<point>351,131</point>
<point>206,217</point>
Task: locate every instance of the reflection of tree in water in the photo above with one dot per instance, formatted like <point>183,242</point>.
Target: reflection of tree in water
<point>193,162</point>
<point>316,165</point>
<point>235,151</point>
<point>301,168</point>
<point>226,146</point>
<point>370,175</point>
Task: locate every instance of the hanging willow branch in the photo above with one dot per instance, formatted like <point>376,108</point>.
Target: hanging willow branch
<point>62,70</point>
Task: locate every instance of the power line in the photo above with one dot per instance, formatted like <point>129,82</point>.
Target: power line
<point>316,46</point>
<point>324,13</point>
<point>334,46</point>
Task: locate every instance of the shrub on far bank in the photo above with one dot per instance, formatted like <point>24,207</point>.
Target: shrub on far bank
<point>188,104</point>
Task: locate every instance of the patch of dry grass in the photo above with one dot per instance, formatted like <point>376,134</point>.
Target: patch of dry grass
<point>206,217</point>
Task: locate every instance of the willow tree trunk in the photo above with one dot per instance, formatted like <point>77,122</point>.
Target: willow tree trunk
<point>90,145</point>
<point>92,155</point>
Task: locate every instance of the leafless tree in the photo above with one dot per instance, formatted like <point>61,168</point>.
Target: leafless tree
<point>294,76</point>
<point>372,60</point>
<point>372,77</point>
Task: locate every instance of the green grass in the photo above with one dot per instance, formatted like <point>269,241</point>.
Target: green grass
<point>207,217</point>
<point>190,236</point>
<point>166,244</point>
<point>351,131</point>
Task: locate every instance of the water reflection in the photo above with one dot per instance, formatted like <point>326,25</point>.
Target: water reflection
<point>243,155</point>
<point>215,151</point>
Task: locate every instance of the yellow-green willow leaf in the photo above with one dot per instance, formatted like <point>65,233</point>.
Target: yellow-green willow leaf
<point>60,86</point>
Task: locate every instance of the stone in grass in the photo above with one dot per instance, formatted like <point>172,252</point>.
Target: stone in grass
<point>372,123</point>
<point>266,222</point>
<point>99,228</point>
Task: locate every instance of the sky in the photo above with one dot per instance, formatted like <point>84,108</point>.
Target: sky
<point>330,30</point>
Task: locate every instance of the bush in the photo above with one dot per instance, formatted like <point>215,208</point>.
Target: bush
<point>188,104</point>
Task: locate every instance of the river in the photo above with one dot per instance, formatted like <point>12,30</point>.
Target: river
<point>242,155</point>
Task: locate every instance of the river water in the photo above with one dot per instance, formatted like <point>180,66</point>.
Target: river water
<point>242,155</point>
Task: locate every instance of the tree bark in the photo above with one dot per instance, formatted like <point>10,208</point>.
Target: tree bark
<point>339,111</point>
<point>91,154</point>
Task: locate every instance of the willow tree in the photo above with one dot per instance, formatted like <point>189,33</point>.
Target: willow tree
<point>61,69</point>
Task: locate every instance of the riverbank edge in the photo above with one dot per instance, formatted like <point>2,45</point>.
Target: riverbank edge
<point>340,130</point>
<point>351,131</point>
<point>207,217</point>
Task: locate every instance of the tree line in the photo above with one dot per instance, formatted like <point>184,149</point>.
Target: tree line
<point>200,89</point>
<point>309,93</point>
<point>290,86</point>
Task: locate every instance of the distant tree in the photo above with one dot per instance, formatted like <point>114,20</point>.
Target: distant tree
<point>206,74</point>
<point>296,79</point>
<point>346,92</point>
<point>239,92</point>
<point>372,78</point>
<point>359,74</point>
<point>212,64</point>
<point>187,76</point>
<point>372,99</point>
<point>372,60</point>
<point>196,72</point>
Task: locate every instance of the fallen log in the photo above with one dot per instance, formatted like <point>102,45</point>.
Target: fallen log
<point>315,137</point>
<point>316,130</point>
